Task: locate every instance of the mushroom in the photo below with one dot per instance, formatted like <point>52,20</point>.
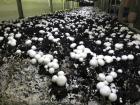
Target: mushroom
<point>112,97</point>
<point>105,91</point>
<point>61,80</point>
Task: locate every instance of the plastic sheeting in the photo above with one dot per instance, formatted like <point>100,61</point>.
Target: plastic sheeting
<point>35,7</point>
<point>8,9</point>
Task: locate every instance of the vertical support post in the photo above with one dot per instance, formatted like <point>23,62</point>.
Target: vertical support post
<point>102,1</point>
<point>110,5</point>
<point>63,4</point>
<point>99,4</point>
<point>77,4</point>
<point>51,5</point>
<point>115,6</point>
<point>105,5</point>
<point>20,10</point>
<point>73,5</point>
<point>68,4</point>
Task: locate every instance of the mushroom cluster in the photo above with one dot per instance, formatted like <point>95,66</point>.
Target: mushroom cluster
<point>85,51</point>
<point>103,87</point>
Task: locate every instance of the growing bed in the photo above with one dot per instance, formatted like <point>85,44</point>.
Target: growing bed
<point>74,57</point>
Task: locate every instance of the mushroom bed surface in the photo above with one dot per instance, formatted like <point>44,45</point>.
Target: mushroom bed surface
<point>73,57</point>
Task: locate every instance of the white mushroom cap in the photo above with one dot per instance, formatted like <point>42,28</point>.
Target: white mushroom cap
<point>12,42</point>
<point>72,55</point>
<point>124,57</point>
<point>77,56</point>
<point>87,50</point>
<point>41,60</point>
<point>54,78</point>
<point>108,59</point>
<point>101,77</point>
<point>93,62</point>
<point>55,65</point>
<point>50,64</point>
<point>50,56</point>
<point>51,37</point>
<point>102,34</point>
<point>33,47</point>
<point>100,56</point>
<point>114,90</point>
<point>78,51</point>
<point>105,91</point>
<point>37,56</point>
<point>101,62</point>
<point>55,30</point>
<point>106,83</point>
<point>112,97</point>
<point>35,38</point>
<point>56,40</point>
<point>56,33</point>
<point>51,70</point>
<point>83,55</point>
<point>33,61</point>
<point>109,78</point>
<point>139,72</point>
<point>46,60</point>
<point>71,38</point>
<point>61,73</point>
<point>42,31</point>
<point>55,52</point>
<point>81,47</point>
<point>1,38</point>
<point>114,57</point>
<point>46,67</point>
<point>100,85</point>
<point>67,34</point>
<point>118,46</point>
<point>61,80</point>
<point>40,39</point>
<point>55,60</point>
<point>98,42</point>
<point>73,45</point>
<point>130,57</point>
<point>31,53</point>
<point>81,59</point>
<point>18,35</point>
<point>107,44</point>
<point>18,52</point>
<point>119,71</point>
<point>111,51</point>
<point>118,58</point>
<point>113,74</point>
<point>41,53</point>
<point>28,42</point>
<point>81,42</point>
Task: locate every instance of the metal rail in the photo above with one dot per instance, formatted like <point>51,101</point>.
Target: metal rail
<point>20,9</point>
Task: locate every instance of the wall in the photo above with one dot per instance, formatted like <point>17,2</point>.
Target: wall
<point>35,7</point>
<point>58,5</point>
<point>8,8</point>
